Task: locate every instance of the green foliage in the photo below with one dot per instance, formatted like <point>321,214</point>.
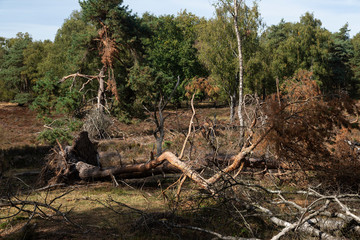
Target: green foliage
<point>169,54</point>
<point>170,48</point>
<point>46,95</point>
<point>341,51</point>
<point>2,48</point>
<point>23,98</point>
<point>6,94</point>
<point>70,102</point>
<point>217,45</point>
<point>289,47</point>
<point>355,61</point>
<point>121,26</point>
<point>70,51</point>
<point>60,129</point>
<point>68,54</point>
<point>34,54</point>
<point>148,84</point>
<point>151,52</point>
<point>118,46</point>
<point>12,77</point>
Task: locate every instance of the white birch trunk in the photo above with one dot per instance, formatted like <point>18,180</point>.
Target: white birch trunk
<point>240,58</point>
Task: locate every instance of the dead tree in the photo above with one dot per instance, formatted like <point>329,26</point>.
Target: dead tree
<point>324,216</point>
<point>89,78</point>
<point>314,219</point>
<point>157,114</point>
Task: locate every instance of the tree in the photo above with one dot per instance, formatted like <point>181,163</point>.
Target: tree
<point>118,42</point>
<point>13,67</point>
<point>70,52</point>
<point>241,65</point>
<point>4,94</point>
<point>2,49</point>
<point>355,61</point>
<point>218,45</point>
<point>340,54</point>
<point>99,43</point>
<point>71,49</point>
<point>34,55</point>
<point>169,61</point>
<point>169,50</point>
<point>295,46</point>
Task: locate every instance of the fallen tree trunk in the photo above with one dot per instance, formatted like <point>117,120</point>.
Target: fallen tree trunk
<point>87,171</point>
<point>81,161</point>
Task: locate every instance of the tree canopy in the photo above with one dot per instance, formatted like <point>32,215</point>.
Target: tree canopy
<point>143,56</point>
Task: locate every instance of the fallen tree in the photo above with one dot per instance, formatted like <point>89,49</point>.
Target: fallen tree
<point>301,129</point>
<point>81,161</point>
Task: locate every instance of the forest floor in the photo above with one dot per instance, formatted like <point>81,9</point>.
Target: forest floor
<point>94,206</point>
<point>18,126</point>
<point>124,209</point>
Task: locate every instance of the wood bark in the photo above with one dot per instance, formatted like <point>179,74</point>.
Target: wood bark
<point>232,108</point>
<point>82,158</point>
<point>241,68</point>
<point>101,91</point>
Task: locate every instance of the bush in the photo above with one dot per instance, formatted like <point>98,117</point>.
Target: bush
<point>23,98</point>
<point>310,130</point>
<point>60,129</point>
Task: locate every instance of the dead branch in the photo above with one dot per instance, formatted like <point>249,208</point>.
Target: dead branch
<point>21,204</point>
<point>305,227</point>
<point>50,187</point>
<point>190,126</point>
<point>217,235</point>
<point>73,76</point>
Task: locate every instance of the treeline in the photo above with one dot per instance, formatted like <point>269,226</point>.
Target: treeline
<point>142,58</point>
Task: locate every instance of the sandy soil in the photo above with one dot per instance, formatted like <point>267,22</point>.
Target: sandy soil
<point>18,126</point>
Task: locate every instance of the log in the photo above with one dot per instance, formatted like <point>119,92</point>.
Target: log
<point>81,161</point>
<point>87,171</point>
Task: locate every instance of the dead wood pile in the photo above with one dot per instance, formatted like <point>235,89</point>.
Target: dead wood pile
<point>81,161</point>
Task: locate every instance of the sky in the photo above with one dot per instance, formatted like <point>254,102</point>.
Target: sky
<point>42,18</point>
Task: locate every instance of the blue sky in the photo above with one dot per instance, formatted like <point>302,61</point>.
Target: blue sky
<point>42,18</point>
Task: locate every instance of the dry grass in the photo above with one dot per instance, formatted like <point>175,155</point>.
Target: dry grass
<point>86,206</point>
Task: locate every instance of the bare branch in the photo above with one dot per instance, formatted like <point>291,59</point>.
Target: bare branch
<point>190,126</point>
<point>218,235</point>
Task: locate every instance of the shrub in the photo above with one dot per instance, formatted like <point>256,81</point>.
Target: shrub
<point>23,99</point>
<point>308,129</point>
<point>60,129</point>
